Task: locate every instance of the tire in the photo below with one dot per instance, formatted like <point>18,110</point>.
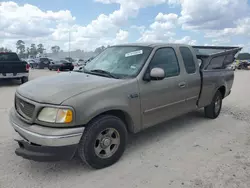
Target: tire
<point>91,147</point>
<point>24,80</point>
<point>212,111</point>
<point>71,69</point>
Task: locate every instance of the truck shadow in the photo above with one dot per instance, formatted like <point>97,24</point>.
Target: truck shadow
<point>9,82</point>
<point>136,142</point>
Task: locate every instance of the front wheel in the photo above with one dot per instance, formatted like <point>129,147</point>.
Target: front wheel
<point>212,111</point>
<point>103,142</point>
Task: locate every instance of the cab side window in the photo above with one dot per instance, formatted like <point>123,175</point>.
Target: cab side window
<point>166,59</point>
<point>188,60</point>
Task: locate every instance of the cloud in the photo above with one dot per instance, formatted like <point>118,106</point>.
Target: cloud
<point>161,29</point>
<point>140,29</point>
<point>31,24</point>
<point>184,40</point>
<point>29,21</point>
<point>214,15</point>
<point>242,28</point>
<point>220,20</point>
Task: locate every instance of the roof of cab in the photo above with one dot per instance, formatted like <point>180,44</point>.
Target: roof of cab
<point>152,45</point>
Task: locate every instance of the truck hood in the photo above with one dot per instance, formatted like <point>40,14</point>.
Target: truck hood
<point>57,88</point>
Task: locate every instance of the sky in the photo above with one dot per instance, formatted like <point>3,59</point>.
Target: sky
<point>88,24</point>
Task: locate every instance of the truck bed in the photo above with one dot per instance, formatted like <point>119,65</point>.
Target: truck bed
<point>214,72</point>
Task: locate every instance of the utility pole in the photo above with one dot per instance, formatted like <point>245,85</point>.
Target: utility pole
<point>69,43</point>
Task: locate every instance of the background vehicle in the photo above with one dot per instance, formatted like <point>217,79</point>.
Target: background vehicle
<point>51,60</point>
<point>243,65</point>
<point>71,60</point>
<point>78,63</point>
<point>126,88</point>
<point>40,63</point>
<point>61,65</point>
<point>31,62</point>
<point>11,67</point>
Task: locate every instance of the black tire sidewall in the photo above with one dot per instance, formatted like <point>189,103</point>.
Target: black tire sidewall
<point>218,94</point>
<point>86,145</point>
<point>24,80</point>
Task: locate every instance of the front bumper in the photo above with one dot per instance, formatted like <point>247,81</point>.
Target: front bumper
<point>44,153</point>
<point>45,143</point>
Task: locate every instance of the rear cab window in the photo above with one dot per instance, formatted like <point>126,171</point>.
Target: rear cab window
<point>188,60</point>
<point>9,57</point>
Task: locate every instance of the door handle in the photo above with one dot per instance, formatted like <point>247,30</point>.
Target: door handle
<point>182,84</point>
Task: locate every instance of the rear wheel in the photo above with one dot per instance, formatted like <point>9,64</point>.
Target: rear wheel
<point>103,142</point>
<point>71,69</point>
<point>212,111</point>
<point>24,80</point>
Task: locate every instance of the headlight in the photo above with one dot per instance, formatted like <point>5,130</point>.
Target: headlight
<point>56,115</point>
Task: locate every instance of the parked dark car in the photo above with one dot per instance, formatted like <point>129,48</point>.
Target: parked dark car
<point>243,65</point>
<point>61,65</point>
<point>71,60</point>
<point>40,63</point>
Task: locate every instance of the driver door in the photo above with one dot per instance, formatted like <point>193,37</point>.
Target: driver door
<point>163,99</point>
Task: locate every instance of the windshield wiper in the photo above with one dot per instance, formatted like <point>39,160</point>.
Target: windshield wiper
<point>103,72</point>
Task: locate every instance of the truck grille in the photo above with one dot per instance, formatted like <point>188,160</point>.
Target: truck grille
<point>24,108</point>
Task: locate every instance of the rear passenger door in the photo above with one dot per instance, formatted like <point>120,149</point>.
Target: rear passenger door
<point>163,99</point>
<point>192,78</point>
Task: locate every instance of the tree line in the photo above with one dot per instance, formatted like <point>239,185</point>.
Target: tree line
<point>33,50</point>
<point>25,52</point>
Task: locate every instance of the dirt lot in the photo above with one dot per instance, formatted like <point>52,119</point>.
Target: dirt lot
<point>190,151</point>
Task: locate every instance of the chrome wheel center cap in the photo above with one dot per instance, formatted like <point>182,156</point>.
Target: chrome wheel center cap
<point>106,142</point>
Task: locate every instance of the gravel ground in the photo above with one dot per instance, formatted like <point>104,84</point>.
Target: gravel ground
<point>189,151</point>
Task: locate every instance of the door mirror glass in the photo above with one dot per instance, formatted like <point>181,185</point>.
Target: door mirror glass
<point>157,74</point>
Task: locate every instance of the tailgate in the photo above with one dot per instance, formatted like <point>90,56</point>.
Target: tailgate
<point>12,67</point>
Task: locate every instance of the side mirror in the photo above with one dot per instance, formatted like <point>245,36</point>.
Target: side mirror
<point>157,74</point>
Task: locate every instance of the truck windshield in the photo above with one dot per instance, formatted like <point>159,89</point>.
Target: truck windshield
<point>119,61</point>
<point>8,57</point>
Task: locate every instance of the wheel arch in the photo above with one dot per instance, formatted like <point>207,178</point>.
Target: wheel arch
<point>123,115</point>
<point>222,89</point>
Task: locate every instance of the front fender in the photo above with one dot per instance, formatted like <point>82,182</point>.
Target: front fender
<point>90,104</point>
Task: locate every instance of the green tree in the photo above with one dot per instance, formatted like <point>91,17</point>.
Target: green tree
<point>20,46</point>
<point>243,56</point>
<point>40,48</point>
<point>100,49</point>
<point>55,49</point>
<point>33,50</point>
<point>2,49</point>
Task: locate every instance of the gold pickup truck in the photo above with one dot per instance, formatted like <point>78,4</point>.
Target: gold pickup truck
<point>125,89</point>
